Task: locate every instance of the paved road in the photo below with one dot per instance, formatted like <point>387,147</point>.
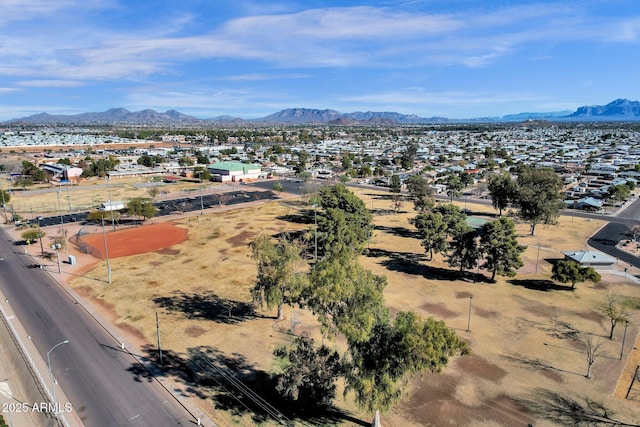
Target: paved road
<point>90,368</point>
<point>607,237</point>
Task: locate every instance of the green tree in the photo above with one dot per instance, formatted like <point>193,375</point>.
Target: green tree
<point>499,244</point>
<point>281,272</point>
<point>277,187</point>
<point>141,207</point>
<point>99,216</point>
<point>202,173</point>
<point>202,158</point>
<point>33,234</point>
<point>619,192</point>
<point>345,297</point>
<point>454,186</point>
<point>347,162</point>
<point>420,193</point>
<point>309,375</point>
<point>185,161</point>
<point>5,197</point>
<point>465,251</point>
<point>502,189</point>
<point>454,218</point>
<point>538,196</point>
<point>344,222</point>
<point>433,232</point>
<point>408,155</point>
<point>395,187</point>
<point>567,271</point>
<point>146,160</point>
<point>364,171</point>
<point>380,367</point>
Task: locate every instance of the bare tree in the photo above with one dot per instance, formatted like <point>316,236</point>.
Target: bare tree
<point>615,311</point>
<point>594,350</point>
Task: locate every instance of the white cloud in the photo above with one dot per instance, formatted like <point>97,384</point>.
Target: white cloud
<point>24,10</point>
<point>50,83</point>
<point>4,90</point>
<point>263,77</point>
<point>361,36</point>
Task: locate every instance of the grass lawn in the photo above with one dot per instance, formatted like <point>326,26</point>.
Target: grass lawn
<point>525,333</point>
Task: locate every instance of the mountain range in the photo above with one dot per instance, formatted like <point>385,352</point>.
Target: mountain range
<point>618,110</point>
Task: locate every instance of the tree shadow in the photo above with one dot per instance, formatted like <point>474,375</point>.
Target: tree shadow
<point>543,285</point>
<point>233,384</point>
<point>303,217</point>
<point>411,263</point>
<point>399,231</point>
<point>538,365</point>
<point>208,306</point>
<point>567,410</point>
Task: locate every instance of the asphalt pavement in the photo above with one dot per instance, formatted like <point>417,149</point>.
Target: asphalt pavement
<point>92,369</point>
<point>607,238</point>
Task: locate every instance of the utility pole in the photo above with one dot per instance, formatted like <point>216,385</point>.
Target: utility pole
<point>64,236</point>
<point>158,333</point>
<point>4,203</point>
<point>106,251</point>
<point>469,318</point>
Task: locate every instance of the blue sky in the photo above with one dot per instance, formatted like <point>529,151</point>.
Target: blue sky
<point>457,59</point>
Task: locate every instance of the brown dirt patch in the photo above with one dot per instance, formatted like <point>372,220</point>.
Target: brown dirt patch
<point>594,316</point>
<point>553,376</point>
<point>168,251</point>
<point>131,331</point>
<point>241,239</point>
<point>462,295</point>
<point>476,366</point>
<point>194,331</point>
<point>433,403</point>
<point>537,309</point>
<point>487,314</point>
<point>438,310</point>
<point>140,240</point>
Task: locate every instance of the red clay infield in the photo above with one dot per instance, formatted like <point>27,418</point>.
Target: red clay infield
<point>133,241</point>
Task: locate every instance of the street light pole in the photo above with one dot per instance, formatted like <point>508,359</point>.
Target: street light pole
<point>199,173</point>
<point>4,203</point>
<point>68,198</point>
<point>64,236</point>
<point>626,324</point>
<point>57,248</point>
<point>53,389</point>
<point>113,223</point>
<point>469,318</point>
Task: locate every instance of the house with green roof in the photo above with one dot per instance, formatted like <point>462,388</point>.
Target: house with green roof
<point>235,172</point>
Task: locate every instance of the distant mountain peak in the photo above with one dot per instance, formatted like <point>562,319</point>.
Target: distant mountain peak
<point>112,115</point>
<point>617,110</point>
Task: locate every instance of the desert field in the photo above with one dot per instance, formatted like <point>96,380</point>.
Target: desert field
<point>525,333</point>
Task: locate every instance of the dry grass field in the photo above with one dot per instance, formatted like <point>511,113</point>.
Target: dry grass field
<point>525,333</point>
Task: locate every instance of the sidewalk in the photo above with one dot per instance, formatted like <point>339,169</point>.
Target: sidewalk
<point>25,399</point>
<point>84,263</point>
